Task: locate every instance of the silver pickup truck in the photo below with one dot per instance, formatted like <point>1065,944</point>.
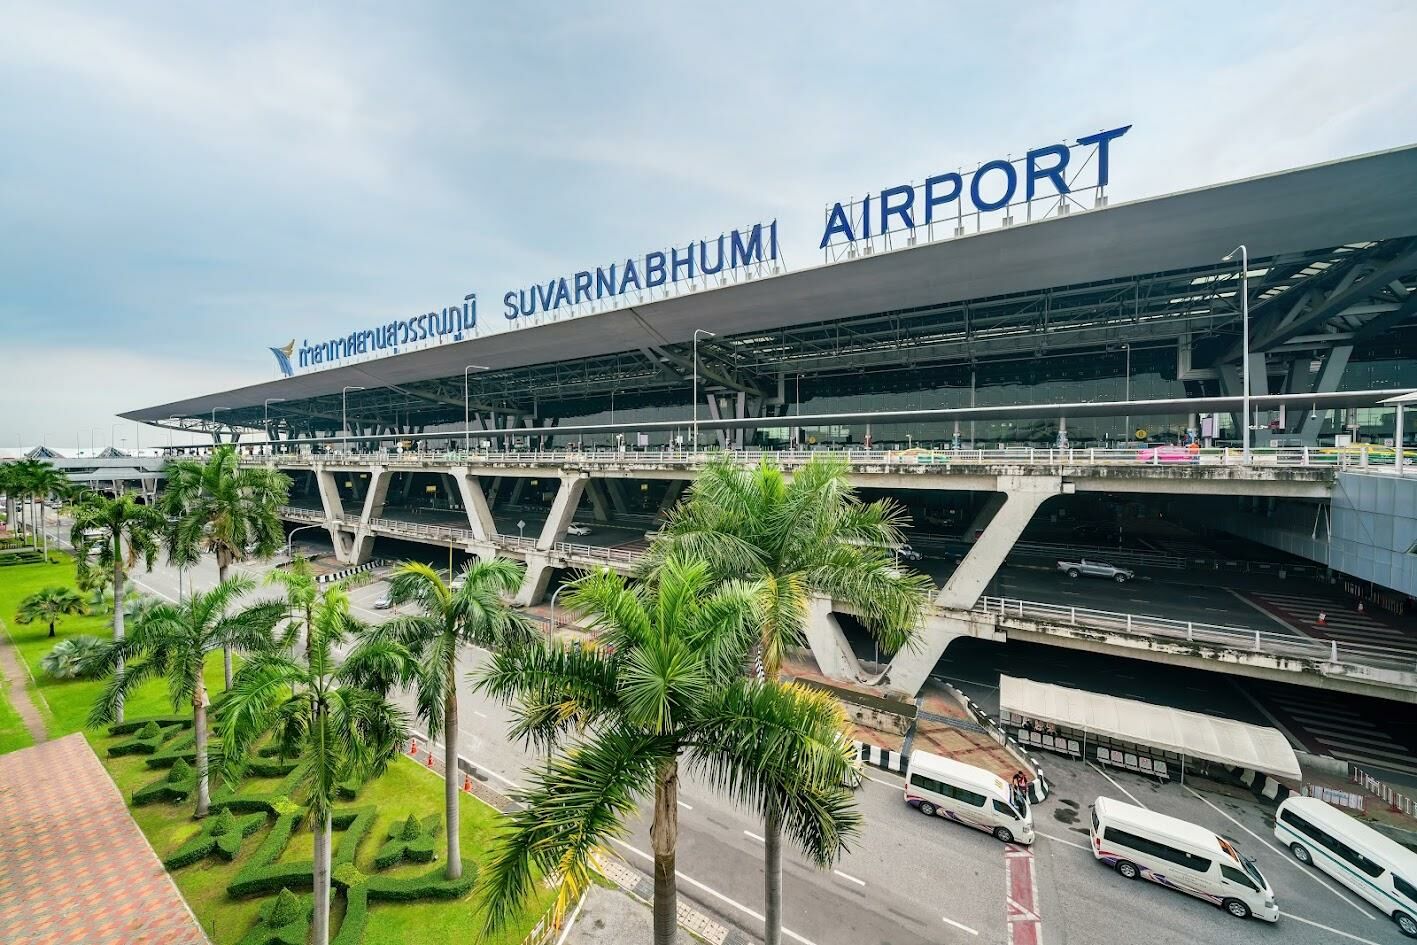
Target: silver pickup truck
<point>1098,569</point>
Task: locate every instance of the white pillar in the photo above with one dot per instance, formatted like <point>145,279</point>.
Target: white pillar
<point>568,496</point>
<point>1397,439</point>
<point>474,501</point>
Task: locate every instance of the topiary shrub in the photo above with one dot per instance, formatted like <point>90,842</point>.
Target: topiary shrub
<point>221,836</point>
<point>184,747</point>
<point>410,841</point>
<point>74,658</point>
<point>177,785</point>
<point>166,721</point>
<point>356,916</point>
<point>145,741</point>
<point>284,920</point>
<point>431,885</point>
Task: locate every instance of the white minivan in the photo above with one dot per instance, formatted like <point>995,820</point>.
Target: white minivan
<point>1180,855</point>
<point>968,795</point>
<point>1379,869</point>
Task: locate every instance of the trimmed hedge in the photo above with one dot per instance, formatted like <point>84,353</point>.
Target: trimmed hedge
<point>184,748</point>
<point>431,885</point>
<point>284,920</point>
<point>356,916</point>
<point>177,785</point>
<point>221,836</point>
<point>147,740</point>
<point>410,841</point>
<point>264,874</point>
<point>167,721</point>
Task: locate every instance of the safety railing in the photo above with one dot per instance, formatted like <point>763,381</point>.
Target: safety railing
<point>914,459</point>
<point>1283,645</point>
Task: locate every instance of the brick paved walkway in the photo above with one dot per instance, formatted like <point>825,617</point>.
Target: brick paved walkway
<point>74,868</point>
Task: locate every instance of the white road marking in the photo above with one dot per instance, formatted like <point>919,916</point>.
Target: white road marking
<point>1118,786</point>
<point>850,878</point>
<point>889,784</point>
<point>1285,855</point>
<point>480,715</point>
<point>685,806</point>
<point>959,925</point>
<point>1297,918</point>
<point>572,920</point>
<point>1071,843</point>
<point>717,895</point>
<point>751,835</point>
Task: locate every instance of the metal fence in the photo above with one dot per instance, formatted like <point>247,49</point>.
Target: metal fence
<point>1281,645</point>
<point>1288,457</point>
<point>1404,803</point>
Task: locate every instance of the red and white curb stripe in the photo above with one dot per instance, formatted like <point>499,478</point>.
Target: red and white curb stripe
<point>1025,926</point>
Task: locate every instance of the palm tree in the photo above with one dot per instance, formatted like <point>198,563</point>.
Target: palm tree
<point>795,538</point>
<point>301,593</point>
<point>667,688</point>
<point>476,614</point>
<point>11,483</point>
<point>336,730</point>
<point>51,605</point>
<point>222,507</point>
<point>122,531</point>
<point>43,481</point>
<point>172,641</point>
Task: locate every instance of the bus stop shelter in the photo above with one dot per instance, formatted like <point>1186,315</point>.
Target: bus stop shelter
<point>1149,739</point>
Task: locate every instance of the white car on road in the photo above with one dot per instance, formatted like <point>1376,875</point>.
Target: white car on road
<point>1099,569</point>
<point>580,531</point>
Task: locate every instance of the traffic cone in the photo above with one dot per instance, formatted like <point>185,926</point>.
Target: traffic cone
<point>467,782</point>
<point>413,746</point>
<point>430,755</point>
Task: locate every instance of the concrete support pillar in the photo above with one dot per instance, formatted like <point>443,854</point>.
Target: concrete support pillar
<point>377,493</point>
<point>479,515</point>
<point>673,489</point>
<point>1397,439</point>
<point>1022,496</point>
<point>329,495</point>
<point>829,645</point>
<point>599,501</point>
<point>360,548</point>
<point>992,503</point>
<point>908,671</point>
<point>568,496</point>
<point>538,577</point>
<point>615,489</point>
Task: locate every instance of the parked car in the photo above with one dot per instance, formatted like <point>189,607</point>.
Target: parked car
<point>1100,569</point>
<point>384,602</point>
<point>580,531</point>
<point>906,553</point>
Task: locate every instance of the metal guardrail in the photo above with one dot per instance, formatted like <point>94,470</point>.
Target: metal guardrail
<point>1286,457</point>
<point>1282,645</point>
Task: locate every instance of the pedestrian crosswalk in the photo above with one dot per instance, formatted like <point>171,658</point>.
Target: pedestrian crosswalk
<point>1347,732</point>
<point>1342,622</point>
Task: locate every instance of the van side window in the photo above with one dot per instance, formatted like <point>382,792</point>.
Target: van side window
<point>1005,809</point>
<point>930,784</point>
<point>1330,842</point>
<point>1404,887</point>
<point>970,797</point>
<point>1142,845</point>
<point>1236,876</point>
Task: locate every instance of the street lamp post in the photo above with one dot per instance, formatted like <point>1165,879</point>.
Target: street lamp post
<point>214,431</point>
<point>551,627</point>
<point>467,407</point>
<point>290,539</point>
<point>267,408</point>
<point>1127,394</point>
<point>697,332</point>
<point>344,410</point>
<point>1244,340</point>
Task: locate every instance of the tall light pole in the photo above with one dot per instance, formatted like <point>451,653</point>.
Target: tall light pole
<point>1244,339</point>
<point>267,407</point>
<point>112,435</point>
<point>290,539</point>
<point>344,409</point>
<point>214,430</point>
<point>467,411</point>
<point>1127,394</point>
<point>697,332</point>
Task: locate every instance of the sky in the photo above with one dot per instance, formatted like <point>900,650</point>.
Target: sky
<point>184,185</point>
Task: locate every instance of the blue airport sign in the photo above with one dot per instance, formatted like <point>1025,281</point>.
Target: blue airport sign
<point>650,271</point>
<point>905,206</point>
<point>451,322</point>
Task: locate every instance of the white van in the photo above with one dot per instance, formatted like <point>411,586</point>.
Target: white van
<point>1179,855</point>
<point>1379,869</point>
<point>969,795</point>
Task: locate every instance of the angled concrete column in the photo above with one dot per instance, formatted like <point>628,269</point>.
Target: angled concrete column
<point>673,489</point>
<point>479,516</point>
<point>377,494</point>
<point>329,495</point>
<point>910,668</point>
<point>568,496</point>
<point>615,488</point>
<point>360,547</point>
<point>599,501</point>
<point>538,577</point>
<point>518,484</point>
<point>1022,497</point>
<point>829,646</point>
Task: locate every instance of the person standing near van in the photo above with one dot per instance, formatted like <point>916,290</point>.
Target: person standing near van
<point>1020,782</point>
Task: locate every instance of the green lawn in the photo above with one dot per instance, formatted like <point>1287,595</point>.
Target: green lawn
<point>13,734</point>
<point>407,787</point>
<point>65,703</point>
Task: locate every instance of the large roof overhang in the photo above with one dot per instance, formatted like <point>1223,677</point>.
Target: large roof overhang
<point>1353,201</point>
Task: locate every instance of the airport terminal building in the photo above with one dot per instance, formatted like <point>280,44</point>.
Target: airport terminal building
<point>1005,376</point>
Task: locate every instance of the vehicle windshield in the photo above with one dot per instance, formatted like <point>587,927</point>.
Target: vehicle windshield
<point>1254,872</point>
